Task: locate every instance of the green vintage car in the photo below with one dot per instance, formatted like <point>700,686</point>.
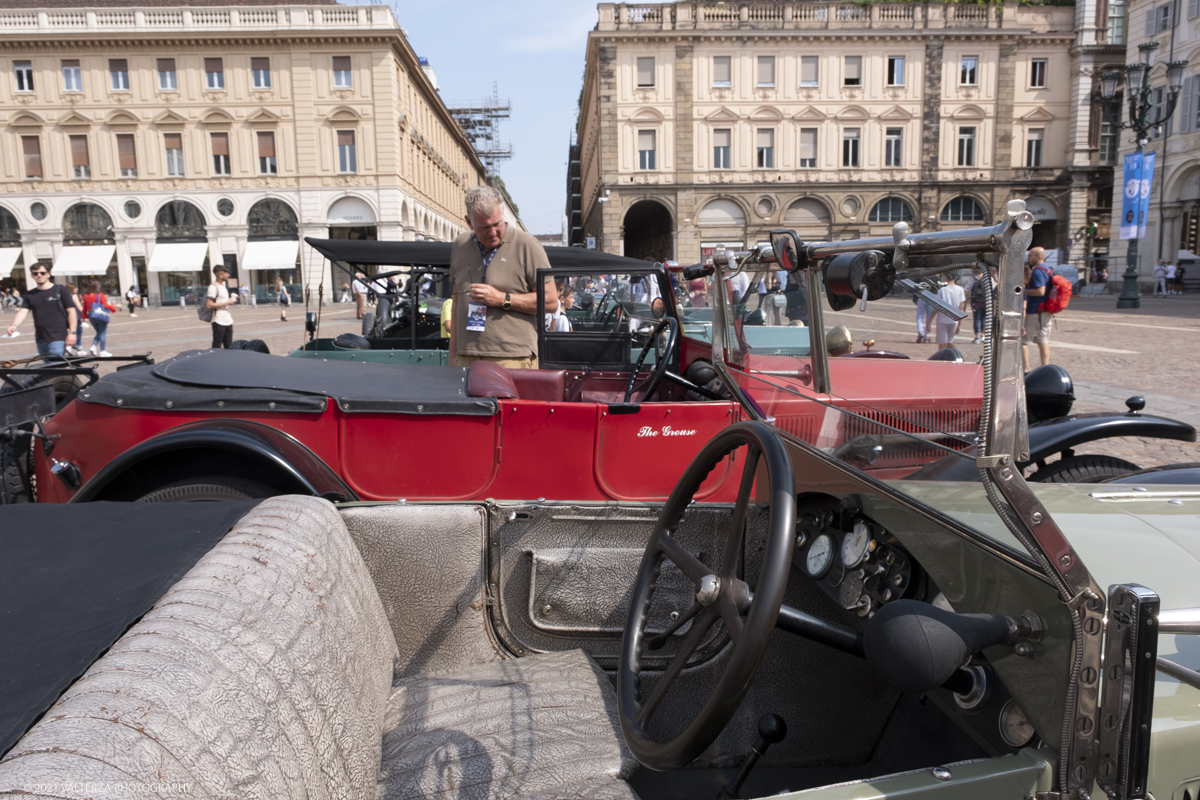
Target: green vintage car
<point>861,622</point>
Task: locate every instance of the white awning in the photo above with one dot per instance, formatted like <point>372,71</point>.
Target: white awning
<point>178,257</point>
<point>270,255</point>
<point>8,258</point>
<point>84,260</point>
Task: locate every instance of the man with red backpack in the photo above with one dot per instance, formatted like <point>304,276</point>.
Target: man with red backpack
<point>1046,294</point>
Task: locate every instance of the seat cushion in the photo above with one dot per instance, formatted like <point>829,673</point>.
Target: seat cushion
<point>489,379</point>
<point>544,726</point>
<point>547,385</point>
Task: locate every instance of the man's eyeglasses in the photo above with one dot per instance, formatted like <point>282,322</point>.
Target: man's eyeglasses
<point>39,272</point>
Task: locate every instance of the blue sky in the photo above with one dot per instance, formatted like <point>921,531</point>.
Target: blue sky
<point>534,50</point>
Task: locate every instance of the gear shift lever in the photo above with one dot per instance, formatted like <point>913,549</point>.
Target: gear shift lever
<point>771,730</point>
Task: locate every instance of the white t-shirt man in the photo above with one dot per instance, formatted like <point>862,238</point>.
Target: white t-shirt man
<point>952,295</point>
<point>218,292</point>
<point>1170,272</point>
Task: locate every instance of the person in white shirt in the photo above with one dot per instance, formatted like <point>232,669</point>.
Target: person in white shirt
<point>360,294</point>
<point>739,283</point>
<point>557,321</point>
<point>1170,282</point>
<point>947,327</point>
<point>219,301</point>
<point>1160,278</point>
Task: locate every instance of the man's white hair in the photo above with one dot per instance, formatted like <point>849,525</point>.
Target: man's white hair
<point>483,200</point>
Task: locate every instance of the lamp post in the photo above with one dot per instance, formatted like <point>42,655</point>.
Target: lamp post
<point>1137,80</point>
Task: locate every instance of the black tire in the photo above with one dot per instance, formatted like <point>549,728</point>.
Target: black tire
<point>15,484</point>
<point>65,386</point>
<point>1083,469</point>
<point>253,345</point>
<point>208,489</point>
<point>368,324</point>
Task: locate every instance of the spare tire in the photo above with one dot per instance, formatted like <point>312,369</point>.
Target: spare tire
<point>253,345</point>
<point>15,483</point>
<point>368,324</point>
<point>352,341</point>
<point>66,386</point>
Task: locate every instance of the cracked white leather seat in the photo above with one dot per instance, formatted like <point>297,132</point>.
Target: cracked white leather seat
<point>267,672</point>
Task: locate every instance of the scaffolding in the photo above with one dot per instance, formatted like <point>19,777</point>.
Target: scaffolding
<point>480,121</point>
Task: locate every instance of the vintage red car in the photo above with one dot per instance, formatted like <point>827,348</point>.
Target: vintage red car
<point>595,423</point>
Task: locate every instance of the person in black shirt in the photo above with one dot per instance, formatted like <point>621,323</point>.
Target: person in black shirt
<point>54,316</point>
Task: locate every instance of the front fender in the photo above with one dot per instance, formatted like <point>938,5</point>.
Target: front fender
<point>1055,435</point>
<point>285,456</point>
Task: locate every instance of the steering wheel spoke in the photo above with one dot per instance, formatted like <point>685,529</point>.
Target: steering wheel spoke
<point>687,563</point>
<point>658,641</point>
<point>737,522</point>
<point>650,384</point>
<point>732,619</point>
<point>690,644</point>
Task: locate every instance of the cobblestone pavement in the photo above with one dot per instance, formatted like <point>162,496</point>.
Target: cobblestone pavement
<point>1111,354</point>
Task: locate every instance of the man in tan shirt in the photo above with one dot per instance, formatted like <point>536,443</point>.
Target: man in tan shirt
<point>494,273</point>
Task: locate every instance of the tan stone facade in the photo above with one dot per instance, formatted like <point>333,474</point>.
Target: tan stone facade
<point>702,124</point>
<point>179,122</point>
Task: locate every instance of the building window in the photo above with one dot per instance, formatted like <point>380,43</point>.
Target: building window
<point>966,147</point>
<point>850,144</point>
<point>347,152</point>
<point>893,148</point>
<point>1033,146</point>
<point>808,148</point>
<point>765,146</point>
<point>214,73</point>
<point>1116,22</point>
<point>31,147</point>
<point>968,71</point>
<point>722,141</point>
<point>343,78</point>
<point>1161,18</point>
<point>220,151</point>
<point>81,165</point>
<point>853,71</point>
<point>1108,143</point>
<point>266,153</point>
<point>1158,108</point>
<point>72,79</point>
<point>646,149</point>
<point>722,72</point>
<point>260,72</point>
<point>167,80</point>
<point>962,209</point>
<point>809,71</point>
<point>645,72</point>
<point>23,71</point>
<point>895,71</point>
<point>173,142</point>
<point>890,209</point>
<point>1037,73</point>
<point>118,73</point>
<point>126,155</point>
<point>766,71</point>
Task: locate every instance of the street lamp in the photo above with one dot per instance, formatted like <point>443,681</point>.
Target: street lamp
<point>1137,84</point>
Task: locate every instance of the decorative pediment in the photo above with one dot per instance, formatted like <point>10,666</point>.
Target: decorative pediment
<point>648,115</point>
<point>121,118</point>
<point>810,114</point>
<point>169,117</point>
<point>263,116</point>
<point>1039,114</point>
<point>26,119</point>
<point>722,114</point>
<point>72,118</point>
<point>217,116</point>
<point>896,114</point>
<point>853,112</point>
<point>968,112</point>
<point>344,114</point>
<point>766,114</point>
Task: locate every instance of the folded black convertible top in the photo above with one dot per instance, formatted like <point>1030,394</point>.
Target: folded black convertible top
<point>437,254</point>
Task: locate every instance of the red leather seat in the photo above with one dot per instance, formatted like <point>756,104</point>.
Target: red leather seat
<point>487,379</point>
<point>548,385</point>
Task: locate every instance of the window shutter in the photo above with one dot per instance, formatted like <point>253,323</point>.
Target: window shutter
<point>213,65</point>
<point>32,148</point>
<point>808,69</point>
<point>645,140</point>
<point>1174,13</point>
<point>723,69</point>
<point>853,68</point>
<point>766,137</point>
<point>766,70</point>
<point>118,65</point>
<point>260,63</point>
<point>79,151</point>
<point>721,137</point>
<point>345,138</point>
<point>808,143</point>
<point>266,145</point>
<point>70,62</point>
<point>1193,9</point>
<point>220,144</point>
<point>1194,117</point>
<point>166,65</point>
<point>173,141</point>
<point>341,63</point>
<point>1150,20</point>
<point>126,153</point>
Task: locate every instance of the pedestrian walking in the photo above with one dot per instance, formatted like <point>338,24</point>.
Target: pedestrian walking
<point>1037,320</point>
<point>360,294</point>
<point>133,299</point>
<point>54,314</point>
<point>978,297</point>
<point>924,320</point>
<point>345,293</point>
<point>281,295</point>
<point>1160,278</point>
<point>81,315</point>
<point>98,309</point>
<point>1179,275</point>
<point>218,301</point>
<point>244,293</point>
<point>947,327</point>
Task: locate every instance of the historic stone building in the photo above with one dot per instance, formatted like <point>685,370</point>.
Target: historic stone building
<point>1173,224</point>
<point>142,144</point>
<point>707,123</point>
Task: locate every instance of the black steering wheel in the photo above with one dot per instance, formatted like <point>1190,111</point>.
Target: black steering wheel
<point>661,359</point>
<point>612,315</point>
<point>749,617</point>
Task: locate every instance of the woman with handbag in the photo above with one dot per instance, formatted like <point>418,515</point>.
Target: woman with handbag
<point>284,300</point>
<point>98,311</point>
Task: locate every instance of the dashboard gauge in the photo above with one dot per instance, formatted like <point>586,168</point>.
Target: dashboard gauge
<point>820,555</point>
<point>1015,729</point>
<point>854,546</point>
<point>852,589</point>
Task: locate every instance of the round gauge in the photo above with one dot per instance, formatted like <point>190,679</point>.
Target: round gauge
<point>854,546</point>
<point>820,555</point>
<point>1015,729</point>
<point>852,589</point>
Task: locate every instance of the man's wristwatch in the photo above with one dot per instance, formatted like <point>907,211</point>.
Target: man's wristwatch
<point>507,306</point>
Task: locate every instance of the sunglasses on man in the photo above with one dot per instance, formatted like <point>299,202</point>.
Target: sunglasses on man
<point>39,272</point>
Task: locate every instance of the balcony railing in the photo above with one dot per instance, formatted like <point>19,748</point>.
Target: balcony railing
<point>232,18</point>
<point>831,15</point>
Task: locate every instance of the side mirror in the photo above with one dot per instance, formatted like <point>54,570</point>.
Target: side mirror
<point>785,247</point>
<point>657,308</point>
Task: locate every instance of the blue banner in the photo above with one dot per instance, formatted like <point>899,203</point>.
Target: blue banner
<point>1131,196</point>
<point>1144,203</point>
